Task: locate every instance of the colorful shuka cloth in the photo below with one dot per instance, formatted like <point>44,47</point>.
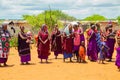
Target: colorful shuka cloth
<point>4,45</point>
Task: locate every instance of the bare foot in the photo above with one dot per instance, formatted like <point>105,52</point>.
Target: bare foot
<point>84,61</point>
<point>0,65</point>
<point>119,69</point>
<point>55,57</point>
<point>64,60</point>
<point>109,60</point>
<point>27,63</point>
<point>47,61</point>
<point>71,61</point>
<point>22,63</point>
<point>41,61</point>
<point>5,64</point>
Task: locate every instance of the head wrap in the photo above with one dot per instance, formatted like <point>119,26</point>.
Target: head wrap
<point>66,30</point>
<point>3,25</point>
<point>43,28</point>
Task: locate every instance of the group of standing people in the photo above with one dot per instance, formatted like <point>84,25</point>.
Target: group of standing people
<point>71,42</point>
<point>100,44</point>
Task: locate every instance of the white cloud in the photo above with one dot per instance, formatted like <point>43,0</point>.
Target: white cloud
<point>78,8</point>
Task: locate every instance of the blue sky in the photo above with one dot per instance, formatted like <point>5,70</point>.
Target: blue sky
<point>14,9</point>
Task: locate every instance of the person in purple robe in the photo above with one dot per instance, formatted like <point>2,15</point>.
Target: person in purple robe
<point>23,47</point>
<point>117,62</point>
<point>56,43</point>
<point>4,45</point>
<point>92,44</point>
<point>43,43</point>
<point>110,42</point>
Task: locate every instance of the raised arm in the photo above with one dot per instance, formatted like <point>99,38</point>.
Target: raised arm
<point>22,36</point>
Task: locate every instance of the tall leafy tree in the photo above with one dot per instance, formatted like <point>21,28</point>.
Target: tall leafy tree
<point>49,17</point>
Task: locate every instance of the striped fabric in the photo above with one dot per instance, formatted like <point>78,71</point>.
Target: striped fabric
<point>99,45</point>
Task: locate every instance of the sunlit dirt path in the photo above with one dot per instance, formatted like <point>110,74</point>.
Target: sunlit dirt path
<point>57,69</point>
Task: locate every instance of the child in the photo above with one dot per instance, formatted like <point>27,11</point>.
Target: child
<point>103,49</point>
<point>29,37</point>
<point>117,62</point>
<point>82,52</point>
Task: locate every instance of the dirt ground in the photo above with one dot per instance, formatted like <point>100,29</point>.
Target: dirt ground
<point>57,69</point>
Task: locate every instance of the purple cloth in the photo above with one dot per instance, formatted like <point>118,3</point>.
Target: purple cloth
<point>110,43</point>
<point>117,63</point>
<point>43,57</point>
<point>57,52</point>
<point>3,60</point>
<point>23,47</point>
<point>92,47</point>
<point>76,48</point>
<point>82,38</point>
<point>25,58</point>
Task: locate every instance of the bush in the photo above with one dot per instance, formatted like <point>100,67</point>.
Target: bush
<point>14,42</point>
<point>95,17</point>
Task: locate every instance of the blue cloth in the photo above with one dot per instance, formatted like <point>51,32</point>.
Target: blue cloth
<point>67,55</point>
<point>98,36</point>
<point>103,50</point>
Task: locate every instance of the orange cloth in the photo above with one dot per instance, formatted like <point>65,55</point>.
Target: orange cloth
<point>118,33</point>
<point>36,38</point>
<point>82,52</point>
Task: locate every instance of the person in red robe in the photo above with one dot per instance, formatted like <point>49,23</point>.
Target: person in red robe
<point>43,43</point>
<point>68,43</point>
<point>56,43</point>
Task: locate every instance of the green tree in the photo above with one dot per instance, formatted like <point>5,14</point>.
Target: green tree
<point>95,17</point>
<point>118,18</point>
<point>49,17</point>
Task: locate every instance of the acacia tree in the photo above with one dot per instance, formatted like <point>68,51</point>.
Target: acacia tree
<point>49,17</point>
<point>95,17</point>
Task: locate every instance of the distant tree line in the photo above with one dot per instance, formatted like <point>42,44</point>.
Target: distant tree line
<point>51,17</point>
